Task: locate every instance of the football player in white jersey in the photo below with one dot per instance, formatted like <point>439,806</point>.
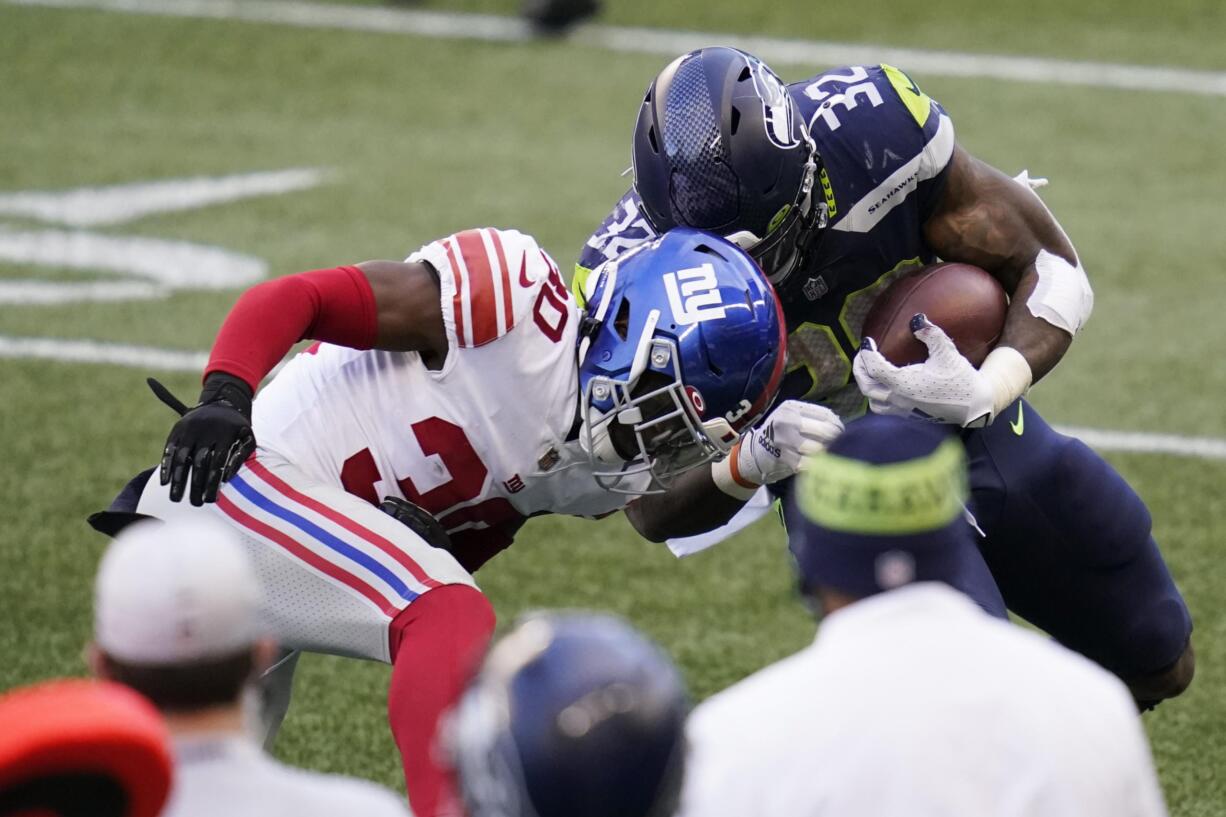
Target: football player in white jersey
<point>466,383</point>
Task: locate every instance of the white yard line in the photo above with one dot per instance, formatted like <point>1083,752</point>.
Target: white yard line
<point>166,263</point>
<point>93,351</point>
<point>613,38</point>
<point>667,43</point>
<point>121,203</point>
<point>140,267</point>
<point>154,359</point>
<point>1142,442</point>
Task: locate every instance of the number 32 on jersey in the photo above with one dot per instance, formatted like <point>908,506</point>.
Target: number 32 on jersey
<point>858,87</point>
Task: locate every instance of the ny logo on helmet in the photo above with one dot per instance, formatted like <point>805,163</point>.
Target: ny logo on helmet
<point>777,110</point>
<point>693,295</point>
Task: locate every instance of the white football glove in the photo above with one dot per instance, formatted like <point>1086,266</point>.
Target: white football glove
<point>776,449</point>
<point>945,387</point>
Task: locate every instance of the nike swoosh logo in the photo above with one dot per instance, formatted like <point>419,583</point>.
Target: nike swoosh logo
<point>1020,423</point>
<point>523,273</point>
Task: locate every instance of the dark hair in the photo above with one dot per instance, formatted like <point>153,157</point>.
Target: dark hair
<point>185,687</point>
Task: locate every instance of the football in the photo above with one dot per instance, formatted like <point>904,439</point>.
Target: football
<point>964,300</point>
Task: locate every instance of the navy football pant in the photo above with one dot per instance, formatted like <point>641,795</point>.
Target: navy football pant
<point>1067,546</point>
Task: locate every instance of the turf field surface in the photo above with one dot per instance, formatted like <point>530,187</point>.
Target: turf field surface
<point>421,137</point>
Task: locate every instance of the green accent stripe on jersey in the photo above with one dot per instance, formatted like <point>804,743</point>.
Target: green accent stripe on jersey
<point>917,102</point>
<point>832,207</point>
<point>579,283</point>
<point>901,498</point>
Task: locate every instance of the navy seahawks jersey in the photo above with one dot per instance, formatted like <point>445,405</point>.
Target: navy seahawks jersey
<point>885,147</point>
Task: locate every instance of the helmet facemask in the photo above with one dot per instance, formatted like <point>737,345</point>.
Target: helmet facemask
<point>783,248</point>
<point>653,426</point>
<point>678,329</point>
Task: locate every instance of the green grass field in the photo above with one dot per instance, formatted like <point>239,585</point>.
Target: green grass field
<point>424,137</point>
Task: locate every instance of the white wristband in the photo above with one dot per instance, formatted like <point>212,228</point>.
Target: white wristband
<point>1008,374</point>
<point>724,478</point>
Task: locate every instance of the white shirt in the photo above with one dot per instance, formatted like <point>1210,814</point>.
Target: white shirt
<point>914,703</point>
<point>226,775</point>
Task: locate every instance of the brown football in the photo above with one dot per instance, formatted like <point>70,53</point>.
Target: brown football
<point>965,301</point>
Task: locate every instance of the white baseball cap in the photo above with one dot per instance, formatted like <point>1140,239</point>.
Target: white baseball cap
<point>175,592</point>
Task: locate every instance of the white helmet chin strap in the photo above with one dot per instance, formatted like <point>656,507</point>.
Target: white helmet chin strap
<point>601,442</point>
<point>743,239</point>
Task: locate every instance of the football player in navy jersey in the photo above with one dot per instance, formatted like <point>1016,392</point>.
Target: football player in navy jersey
<point>838,185</point>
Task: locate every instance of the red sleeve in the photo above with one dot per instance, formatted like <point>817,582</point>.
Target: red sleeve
<point>330,305</point>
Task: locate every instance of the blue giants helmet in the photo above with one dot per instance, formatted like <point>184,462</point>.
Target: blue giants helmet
<point>721,145</point>
<point>572,715</point>
<point>681,349</point>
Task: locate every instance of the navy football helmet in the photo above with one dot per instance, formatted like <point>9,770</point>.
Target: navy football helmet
<point>682,348</point>
<point>571,715</point>
<point>721,145</point>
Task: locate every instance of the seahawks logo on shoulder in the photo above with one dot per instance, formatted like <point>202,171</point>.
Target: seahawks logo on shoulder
<point>777,111</point>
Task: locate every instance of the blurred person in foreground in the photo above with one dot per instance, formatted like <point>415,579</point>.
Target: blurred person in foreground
<point>572,715</point>
<point>912,700</point>
<point>78,748</point>
<point>177,619</point>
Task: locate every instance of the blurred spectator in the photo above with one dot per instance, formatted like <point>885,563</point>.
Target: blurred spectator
<point>177,619</point>
<point>572,715</point>
<point>912,701</point>
<point>553,18</point>
<point>81,749</point>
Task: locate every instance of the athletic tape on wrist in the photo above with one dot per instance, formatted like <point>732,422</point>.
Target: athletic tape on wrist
<point>727,476</point>
<point>1008,374</point>
<point>1063,296</point>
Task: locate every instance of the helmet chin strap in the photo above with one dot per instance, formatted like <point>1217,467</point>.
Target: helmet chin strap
<point>601,441</point>
<point>743,239</point>
<point>817,214</point>
<point>602,448</point>
<point>812,216</point>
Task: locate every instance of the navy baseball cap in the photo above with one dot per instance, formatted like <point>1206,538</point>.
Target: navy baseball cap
<point>572,715</point>
<point>881,507</point>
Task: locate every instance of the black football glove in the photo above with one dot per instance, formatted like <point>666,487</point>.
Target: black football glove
<point>418,520</point>
<point>210,441</point>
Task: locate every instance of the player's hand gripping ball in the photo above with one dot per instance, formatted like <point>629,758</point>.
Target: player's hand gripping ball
<point>945,388</point>
<point>924,339</point>
<point>964,300</point>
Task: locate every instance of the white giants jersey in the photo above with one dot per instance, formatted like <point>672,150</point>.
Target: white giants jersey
<point>481,443</point>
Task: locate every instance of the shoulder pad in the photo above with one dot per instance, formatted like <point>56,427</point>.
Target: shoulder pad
<point>879,136</point>
<point>828,99</point>
<point>490,281</point>
<point>622,229</point>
